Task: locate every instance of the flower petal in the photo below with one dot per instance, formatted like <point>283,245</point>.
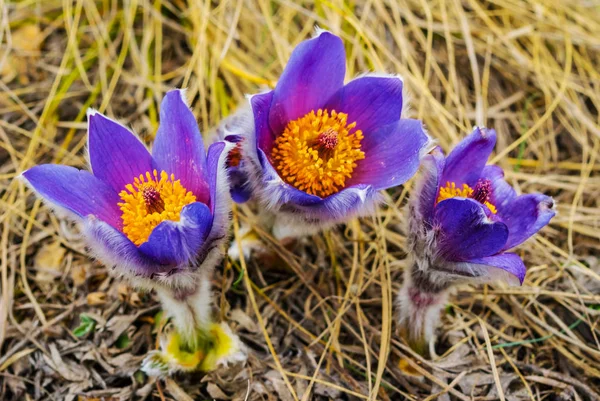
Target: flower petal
<point>299,219</point>
<point>240,191</point>
<point>238,179</point>
<point>178,148</point>
<point>116,154</point>
<point>215,151</point>
<point>220,200</point>
<point>466,161</point>
<point>502,193</point>
<point>114,249</point>
<point>466,232</point>
<point>509,262</point>
<point>173,243</point>
<point>428,185</point>
<point>525,216</point>
<point>315,71</point>
<point>392,155</point>
<point>263,136</point>
<point>370,101</point>
<point>344,205</point>
<point>506,267</point>
<point>77,191</point>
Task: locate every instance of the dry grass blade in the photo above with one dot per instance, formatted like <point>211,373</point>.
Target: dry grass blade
<point>490,353</point>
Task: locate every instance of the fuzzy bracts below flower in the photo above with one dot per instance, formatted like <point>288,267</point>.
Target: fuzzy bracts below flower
<point>463,218</point>
<point>319,150</point>
<point>159,219</point>
<point>209,349</point>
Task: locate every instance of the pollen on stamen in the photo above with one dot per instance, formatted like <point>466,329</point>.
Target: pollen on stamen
<point>481,193</point>
<point>148,201</point>
<point>318,152</point>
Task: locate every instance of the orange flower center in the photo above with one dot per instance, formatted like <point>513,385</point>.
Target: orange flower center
<point>150,200</point>
<point>318,152</point>
<point>481,193</point>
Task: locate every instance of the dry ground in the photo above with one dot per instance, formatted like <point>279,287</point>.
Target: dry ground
<point>529,69</point>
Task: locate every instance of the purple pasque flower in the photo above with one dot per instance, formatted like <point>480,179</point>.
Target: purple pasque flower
<point>463,218</point>
<point>320,151</point>
<point>149,215</point>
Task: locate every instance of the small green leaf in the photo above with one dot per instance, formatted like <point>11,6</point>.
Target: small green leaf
<point>123,341</point>
<point>159,320</point>
<point>140,377</point>
<point>86,325</point>
<point>238,280</point>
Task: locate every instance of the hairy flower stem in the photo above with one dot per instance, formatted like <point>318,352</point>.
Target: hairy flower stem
<point>420,300</point>
<point>189,308</point>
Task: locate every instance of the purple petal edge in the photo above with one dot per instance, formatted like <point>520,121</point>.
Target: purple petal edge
<point>465,232</point>
<point>263,136</point>
<point>77,191</point>
<point>178,147</point>
<point>314,72</point>
<point>114,249</point>
<point>509,262</point>
<point>392,155</point>
<point>525,216</point>
<point>370,101</point>
<point>116,154</point>
<point>465,163</point>
<point>174,243</point>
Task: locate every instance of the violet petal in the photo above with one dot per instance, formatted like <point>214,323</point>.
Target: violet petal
<point>174,243</point>
<point>77,191</point>
<point>240,190</point>
<point>466,161</point>
<point>508,262</point>
<point>466,232</point>
<point>351,201</point>
<point>525,216</point>
<point>314,72</point>
<point>370,101</point>
<point>114,249</point>
<point>392,155</point>
<point>261,105</point>
<point>220,200</point>
<point>178,148</point>
<point>116,154</point>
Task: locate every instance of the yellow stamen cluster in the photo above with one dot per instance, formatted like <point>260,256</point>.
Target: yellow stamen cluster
<point>318,152</point>
<point>150,200</point>
<point>452,191</point>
